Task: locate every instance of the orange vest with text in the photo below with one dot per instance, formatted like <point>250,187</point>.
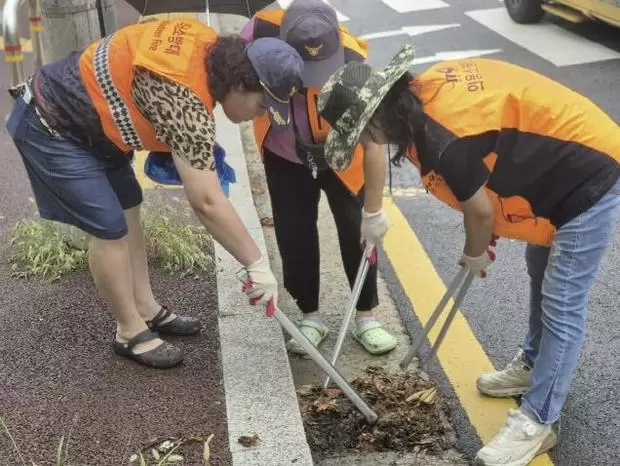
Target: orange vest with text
<point>467,98</point>
<point>174,49</point>
<point>267,25</point>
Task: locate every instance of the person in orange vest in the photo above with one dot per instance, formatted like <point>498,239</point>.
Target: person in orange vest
<point>296,172</point>
<point>522,157</point>
<point>150,86</point>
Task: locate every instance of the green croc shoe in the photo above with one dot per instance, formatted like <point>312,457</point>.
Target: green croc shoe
<point>313,331</point>
<point>374,338</point>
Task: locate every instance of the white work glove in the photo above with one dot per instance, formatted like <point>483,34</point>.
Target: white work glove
<point>480,264</point>
<point>374,227</point>
<point>262,286</point>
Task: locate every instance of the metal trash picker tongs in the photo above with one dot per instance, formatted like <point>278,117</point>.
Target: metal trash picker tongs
<point>271,310</point>
<point>369,257</point>
<point>461,282</point>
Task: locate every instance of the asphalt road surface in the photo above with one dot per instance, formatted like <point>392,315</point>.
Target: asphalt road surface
<point>586,58</point>
<point>58,374</point>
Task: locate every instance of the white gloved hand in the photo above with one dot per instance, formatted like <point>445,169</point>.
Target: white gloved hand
<point>374,227</point>
<point>479,264</point>
<point>263,285</point>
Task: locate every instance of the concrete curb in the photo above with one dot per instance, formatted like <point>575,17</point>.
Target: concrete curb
<point>258,382</point>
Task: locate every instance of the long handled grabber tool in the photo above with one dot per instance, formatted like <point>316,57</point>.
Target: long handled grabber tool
<point>369,257</point>
<point>461,282</point>
<point>370,416</point>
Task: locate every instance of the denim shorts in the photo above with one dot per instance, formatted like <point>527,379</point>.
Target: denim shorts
<point>71,183</point>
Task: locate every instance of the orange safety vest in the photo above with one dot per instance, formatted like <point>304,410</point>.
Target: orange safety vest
<point>174,49</point>
<point>267,24</point>
<point>473,97</point>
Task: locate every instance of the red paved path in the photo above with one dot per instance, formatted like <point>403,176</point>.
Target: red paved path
<point>58,375</point>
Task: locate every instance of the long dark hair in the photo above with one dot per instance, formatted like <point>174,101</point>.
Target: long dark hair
<point>229,67</point>
<point>401,118</point>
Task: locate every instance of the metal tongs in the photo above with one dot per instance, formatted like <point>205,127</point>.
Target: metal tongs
<point>357,400</point>
<point>461,282</point>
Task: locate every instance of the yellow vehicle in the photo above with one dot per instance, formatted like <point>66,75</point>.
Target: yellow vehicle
<point>576,11</point>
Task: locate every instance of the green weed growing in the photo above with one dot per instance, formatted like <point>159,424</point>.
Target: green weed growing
<point>41,249</point>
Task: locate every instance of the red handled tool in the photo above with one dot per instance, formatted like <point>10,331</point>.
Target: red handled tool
<point>272,310</point>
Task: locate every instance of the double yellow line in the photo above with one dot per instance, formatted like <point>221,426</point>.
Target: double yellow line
<point>461,356</point>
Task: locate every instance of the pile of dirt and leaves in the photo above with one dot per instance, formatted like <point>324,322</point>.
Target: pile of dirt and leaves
<point>412,416</point>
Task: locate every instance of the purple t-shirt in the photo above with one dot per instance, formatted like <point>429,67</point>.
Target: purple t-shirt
<point>282,142</point>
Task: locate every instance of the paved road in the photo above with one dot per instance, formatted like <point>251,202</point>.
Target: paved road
<point>58,375</point>
<point>585,58</point>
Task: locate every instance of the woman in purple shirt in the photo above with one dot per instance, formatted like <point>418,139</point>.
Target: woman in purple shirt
<point>296,173</point>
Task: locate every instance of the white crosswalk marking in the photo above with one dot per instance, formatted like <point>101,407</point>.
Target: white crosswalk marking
<point>454,55</point>
<point>407,6</point>
<point>410,30</point>
<point>553,43</point>
<point>341,18</point>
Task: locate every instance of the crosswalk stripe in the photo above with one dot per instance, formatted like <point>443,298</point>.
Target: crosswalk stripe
<point>553,43</point>
<point>454,55</point>
<point>409,30</point>
<point>407,6</point>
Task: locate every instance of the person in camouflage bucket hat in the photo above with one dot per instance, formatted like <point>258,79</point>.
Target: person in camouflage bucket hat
<point>365,89</point>
<point>522,157</point>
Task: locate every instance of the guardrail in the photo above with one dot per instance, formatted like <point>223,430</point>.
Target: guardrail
<point>13,53</point>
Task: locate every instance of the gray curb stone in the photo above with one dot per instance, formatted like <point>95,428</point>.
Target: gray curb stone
<point>260,393</point>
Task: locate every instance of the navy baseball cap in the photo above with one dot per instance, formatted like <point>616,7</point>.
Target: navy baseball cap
<point>280,70</point>
<point>311,27</point>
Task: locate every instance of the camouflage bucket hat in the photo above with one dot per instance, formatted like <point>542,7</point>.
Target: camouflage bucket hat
<point>350,98</point>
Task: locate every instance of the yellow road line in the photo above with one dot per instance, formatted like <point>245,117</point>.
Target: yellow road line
<point>25,43</point>
<point>461,356</point>
<point>145,182</point>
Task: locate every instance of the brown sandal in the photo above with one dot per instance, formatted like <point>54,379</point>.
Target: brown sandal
<point>180,325</point>
<point>161,357</point>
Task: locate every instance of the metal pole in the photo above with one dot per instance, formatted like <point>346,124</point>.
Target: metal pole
<point>457,303</point>
<point>12,47</point>
<point>331,371</point>
<point>36,28</point>
<point>370,416</point>
<point>72,25</point>
<point>454,286</point>
<point>362,271</point>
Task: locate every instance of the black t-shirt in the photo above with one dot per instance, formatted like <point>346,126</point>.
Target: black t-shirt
<point>559,179</point>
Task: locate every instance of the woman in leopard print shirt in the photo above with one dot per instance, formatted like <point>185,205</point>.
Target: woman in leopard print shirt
<point>82,176</point>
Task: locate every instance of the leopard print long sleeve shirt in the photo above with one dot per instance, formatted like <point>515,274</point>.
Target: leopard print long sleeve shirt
<point>179,118</point>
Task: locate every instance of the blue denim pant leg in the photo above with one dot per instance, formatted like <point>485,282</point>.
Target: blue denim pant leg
<point>561,279</point>
<point>536,258</point>
<point>72,184</point>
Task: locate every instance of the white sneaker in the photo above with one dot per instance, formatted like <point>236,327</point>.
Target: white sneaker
<point>518,442</point>
<point>513,380</point>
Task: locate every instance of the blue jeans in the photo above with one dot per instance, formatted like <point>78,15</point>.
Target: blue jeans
<point>561,279</point>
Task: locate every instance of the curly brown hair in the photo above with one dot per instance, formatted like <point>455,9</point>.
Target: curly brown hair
<point>229,67</point>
